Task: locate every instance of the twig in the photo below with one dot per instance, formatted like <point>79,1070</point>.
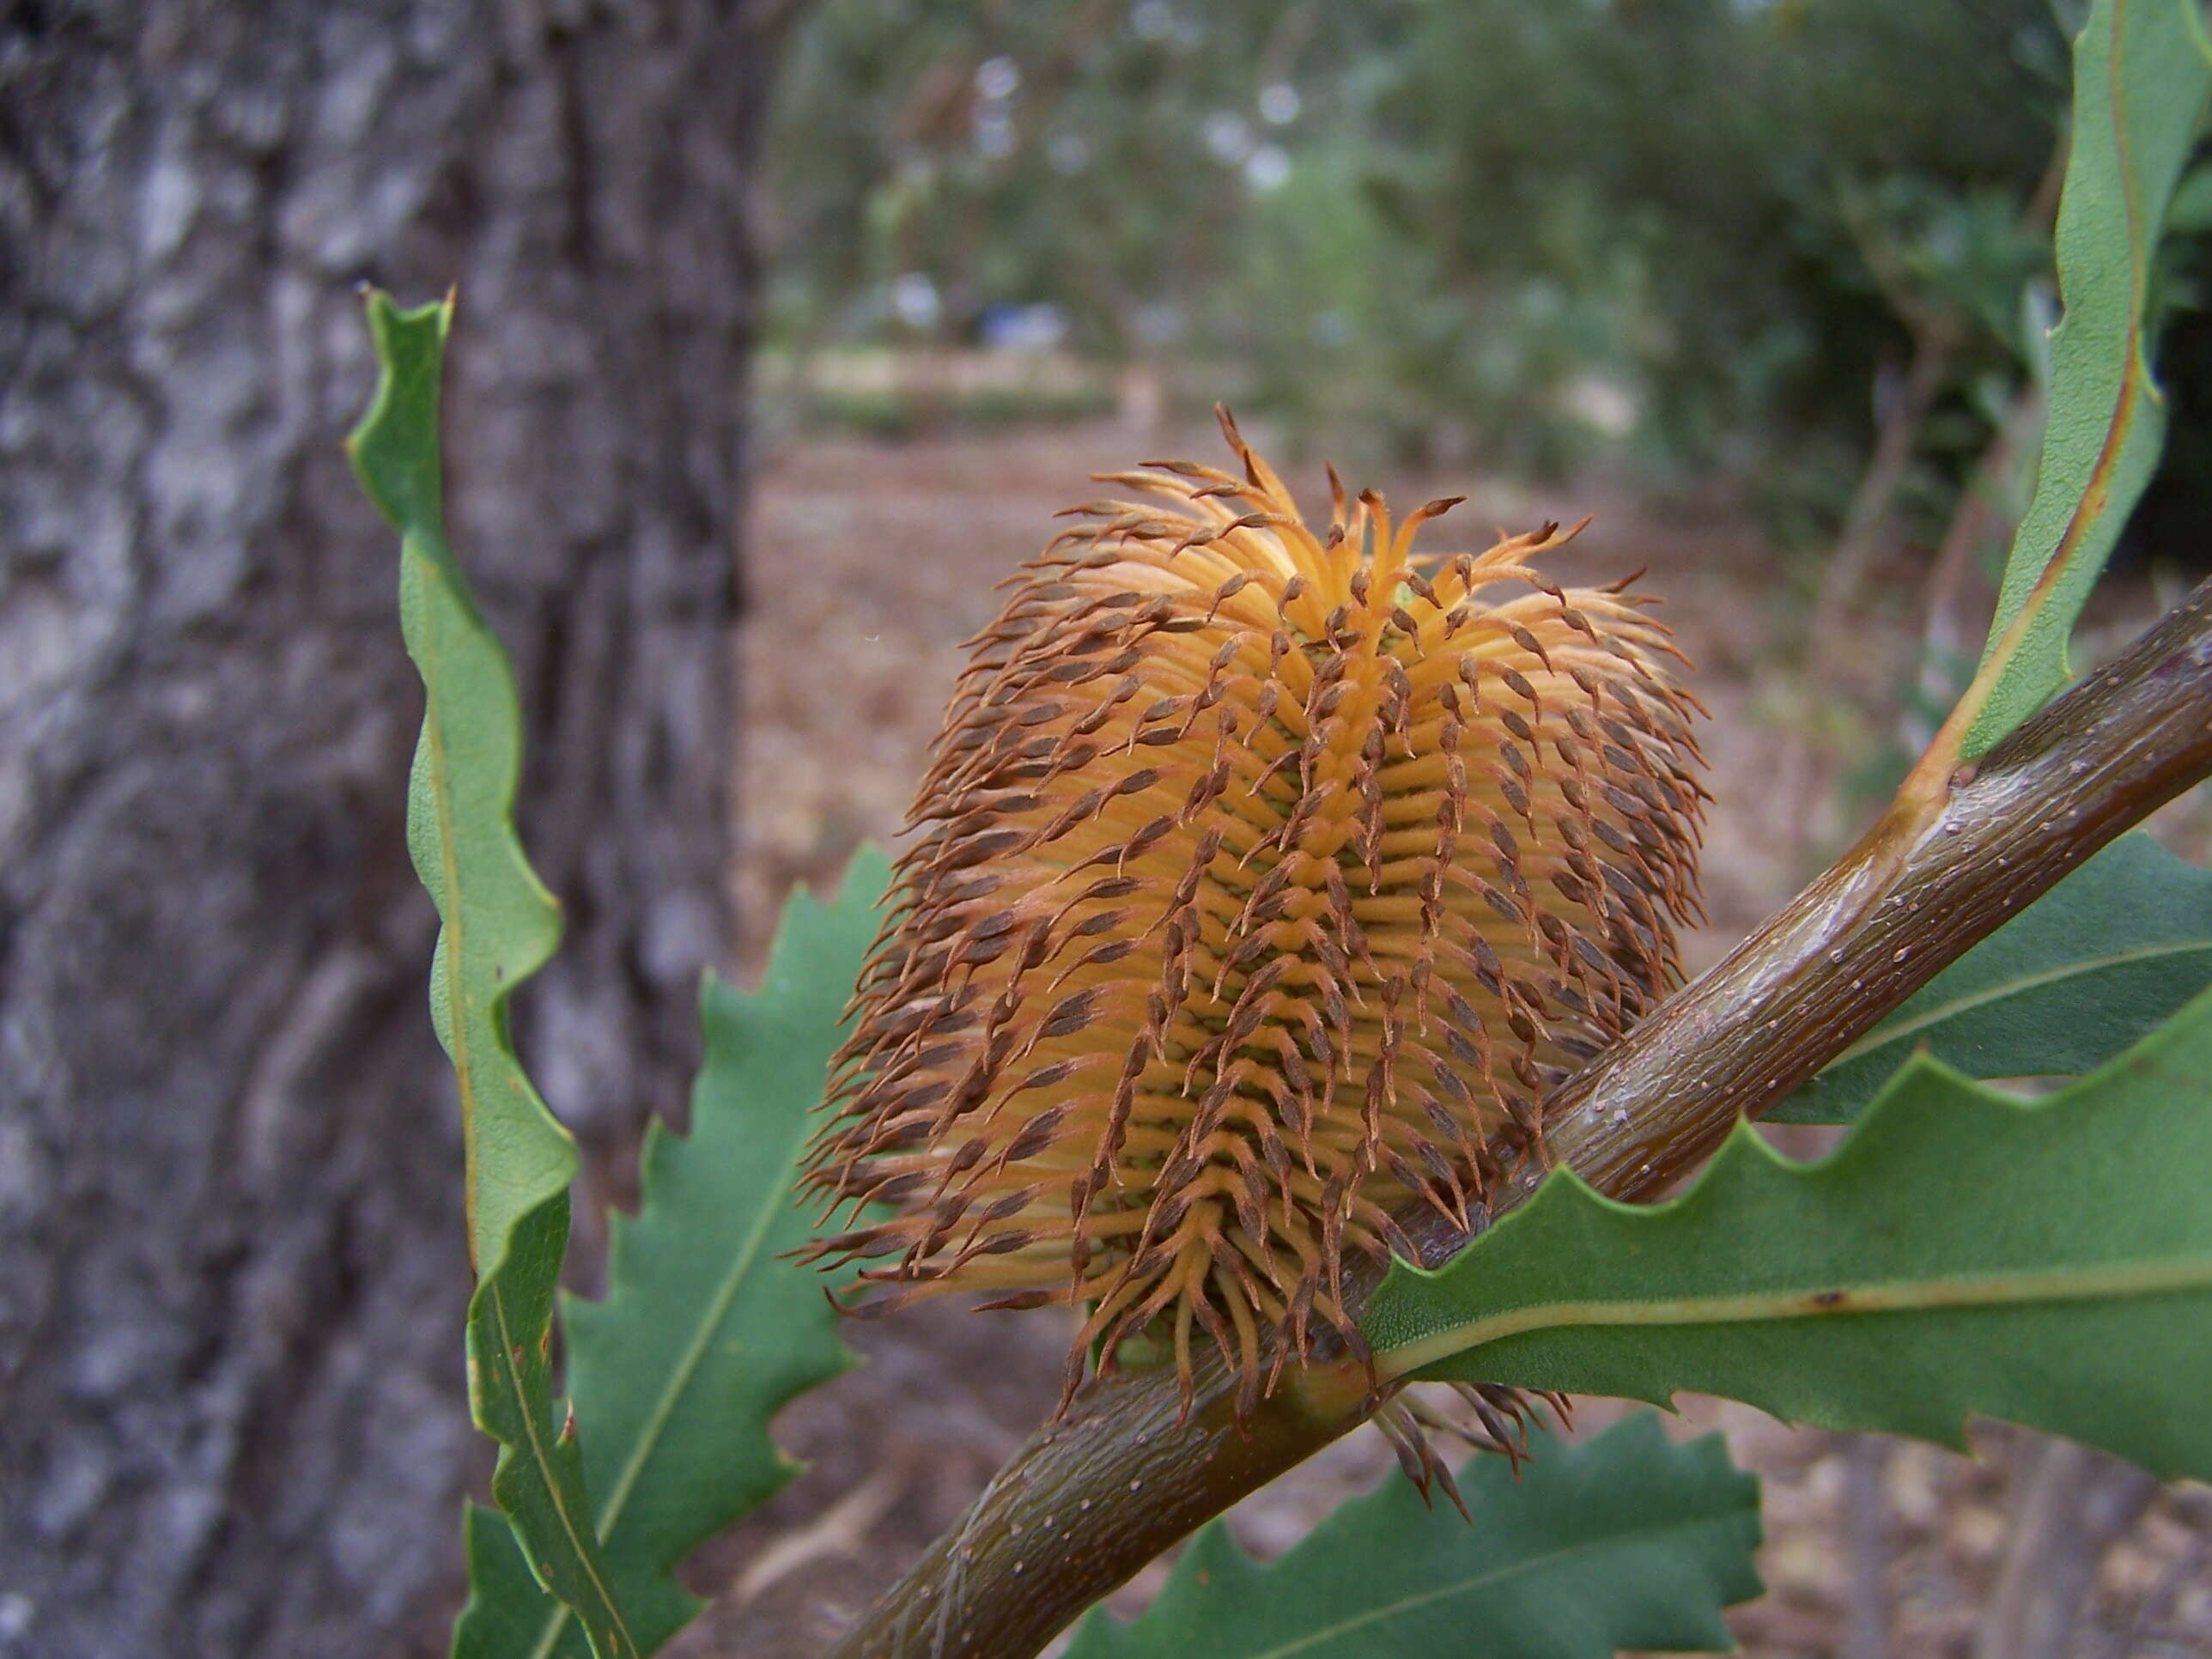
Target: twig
<point>2075,1504</point>
<point>1866,525</point>
<point>1866,1526</point>
<point>1091,1499</point>
<point>1863,537</point>
<point>2157,1605</point>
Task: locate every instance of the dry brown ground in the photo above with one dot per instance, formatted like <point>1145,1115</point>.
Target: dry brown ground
<point>872,561</point>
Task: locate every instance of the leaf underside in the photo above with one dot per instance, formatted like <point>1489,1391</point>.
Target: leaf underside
<point>1961,1253</point>
<point>1623,1540</point>
<point>2090,968</point>
<point>499,926</point>
<point>707,1330</point>
<point>2139,90</point>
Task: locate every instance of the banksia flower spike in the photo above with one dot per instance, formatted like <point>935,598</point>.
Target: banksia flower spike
<point>1266,881</point>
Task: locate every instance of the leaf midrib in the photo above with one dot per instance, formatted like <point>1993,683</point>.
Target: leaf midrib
<point>2157,1277</point>
<point>450,916</point>
<point>618,1630</point>
<point>464,1073</point>
<point>1875,1040</point>
<point>680,1379</point>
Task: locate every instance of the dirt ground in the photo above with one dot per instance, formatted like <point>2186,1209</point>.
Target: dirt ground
<point>870,562</point>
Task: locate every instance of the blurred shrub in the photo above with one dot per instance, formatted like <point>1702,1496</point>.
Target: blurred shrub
<point>1685,234</point>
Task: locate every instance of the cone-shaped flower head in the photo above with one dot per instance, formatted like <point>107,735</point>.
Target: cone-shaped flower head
<point>1266,881</point>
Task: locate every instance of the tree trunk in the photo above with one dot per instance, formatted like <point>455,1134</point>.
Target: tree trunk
<point>232,1268</point>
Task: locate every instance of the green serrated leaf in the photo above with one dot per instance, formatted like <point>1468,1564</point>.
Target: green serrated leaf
<point>707,1330</point>
<point>1961,1253</point>
<point>506,1610</point>
<point>1624,1540</point>
<point>2139,85</point>
<point>2087,969</point>
<point>498,927</point>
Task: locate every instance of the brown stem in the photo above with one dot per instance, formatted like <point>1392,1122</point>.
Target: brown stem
<point>1865,530</point>
<point>1866,522</point>
<point>1091,1498</point>
<point>1866,1510</point>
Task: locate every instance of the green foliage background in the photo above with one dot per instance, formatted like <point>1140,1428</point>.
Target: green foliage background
<point>1679,230</point>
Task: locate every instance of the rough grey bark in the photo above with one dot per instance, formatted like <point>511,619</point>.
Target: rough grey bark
<point>231,1262</point>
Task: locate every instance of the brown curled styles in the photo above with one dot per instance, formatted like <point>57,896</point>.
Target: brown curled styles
<point>1264,884</point>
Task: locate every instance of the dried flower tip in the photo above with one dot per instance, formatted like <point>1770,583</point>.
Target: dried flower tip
<point>1264,884</point>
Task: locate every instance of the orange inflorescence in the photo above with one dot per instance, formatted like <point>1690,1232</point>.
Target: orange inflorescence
<point>1265,884</point>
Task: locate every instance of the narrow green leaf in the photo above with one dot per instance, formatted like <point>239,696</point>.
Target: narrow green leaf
<point>2088,969</point>
<point>2049,1264</point>
<point>506,1610</point>
<point>707,1330</point>
<point>2139,85</point>
<point>499,926</point>
<point>1624,1540</point>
